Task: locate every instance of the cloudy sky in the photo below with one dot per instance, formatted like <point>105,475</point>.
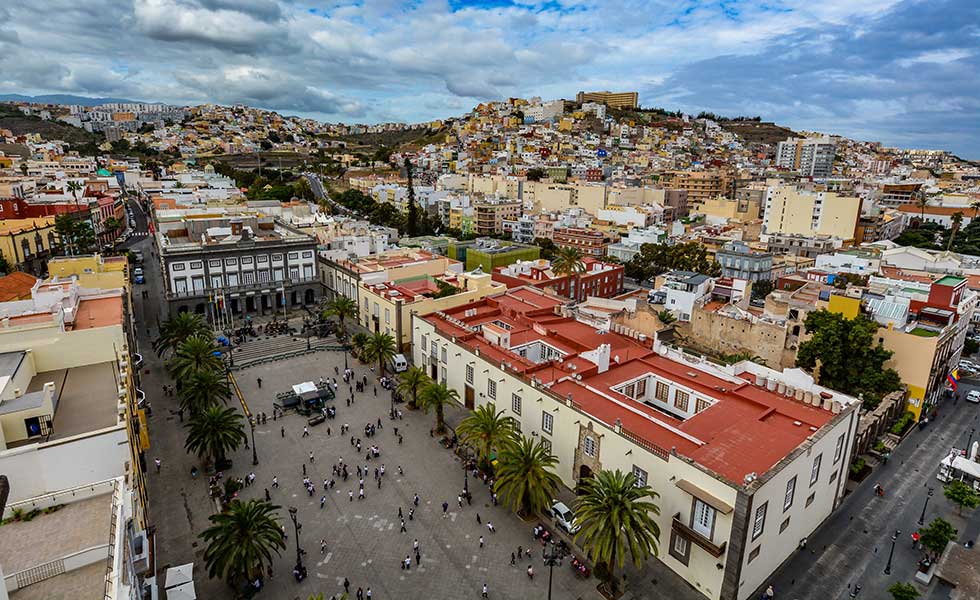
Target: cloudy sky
<point>906,72</point>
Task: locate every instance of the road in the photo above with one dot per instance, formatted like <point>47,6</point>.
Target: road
<point>852,546</point>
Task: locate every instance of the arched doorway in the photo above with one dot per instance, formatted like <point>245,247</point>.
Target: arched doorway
<point>182,308</point>
<point>584,472</point>
<point>199,308</point>
<point>250,303</point>
<point>295,298</point>
<point>309,297</point>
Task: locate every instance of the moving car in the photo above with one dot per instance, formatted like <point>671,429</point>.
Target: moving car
<point>400,363</point>
<point>973,396</point>
<point>564,517</point>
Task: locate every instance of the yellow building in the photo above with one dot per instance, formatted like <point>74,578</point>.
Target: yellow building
<point>610,99</point>
<point>27,243</point>
<point>728,209</point>
<point>793,210</point>
<point>92,270</point>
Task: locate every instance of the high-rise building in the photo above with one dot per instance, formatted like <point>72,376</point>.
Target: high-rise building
<point>811,157</point>
<point>700,185</point>
<point>610,99</point>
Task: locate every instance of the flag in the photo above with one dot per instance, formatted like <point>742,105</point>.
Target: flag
<point>953,378</point>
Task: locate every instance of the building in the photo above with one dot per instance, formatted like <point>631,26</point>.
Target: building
<point>747,461</point>
<point>387,307</point>
<point>722,209</point>
<point>941,215</point>
<point>224,266</point>
<point>801,245</point>
<point>610,99</point>
<point>683,291</point>
<point>793,210</point>
<point>722,328</point>
<point>490,253</point>
<point>16,286</point>
<point>28,243</point>
<point>489,215</point>
<point>599,279</point>
<point>588,241</point>
<point>894,195</point>
<point>880,225</point>
<point>810,157</point>
<point>343,277</point>
<point>701,186</point>
<point>738,260</point>
<point>626,248</point>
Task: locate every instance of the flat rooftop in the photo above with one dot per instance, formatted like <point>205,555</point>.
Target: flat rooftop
<point>85,398</point>
<point>47,537</point>
<point>745,428</point>
<point>391,260</point>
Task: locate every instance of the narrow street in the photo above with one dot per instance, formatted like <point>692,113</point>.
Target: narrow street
<point>852,547</point>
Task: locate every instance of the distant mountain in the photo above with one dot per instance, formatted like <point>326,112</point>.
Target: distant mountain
<point>61,99</point>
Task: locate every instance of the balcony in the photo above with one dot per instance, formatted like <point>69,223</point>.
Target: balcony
<point>260,286</point>
<point>682,529</point>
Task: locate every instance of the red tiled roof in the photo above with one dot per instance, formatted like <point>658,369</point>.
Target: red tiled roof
<point>16,286</point>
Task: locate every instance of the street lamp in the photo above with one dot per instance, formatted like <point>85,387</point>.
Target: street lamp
<point>970,440</point>
<point>299,551</point>
<point>922,517</point>
<point>888,567</point>
<point>550,560</point>
<point>255,457</point>
<point>466,480</point>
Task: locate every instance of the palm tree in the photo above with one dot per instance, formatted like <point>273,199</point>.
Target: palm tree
<point>382,348</point>
<point>615,518</point>
<point>359,343</point>
<point>74,187</point>
<point>922,202</point>
<point>411,381</point>
<point>204,389</point>
<point>487,430</point>
<point>178,328</point>
<point>215,431</point>
<point>976,208</point>
<point>568,261</point>
<point>241,541</point>
<point>525,477</point>
<point>194,355</point>
<point>957,220</point>
<point>342,308</point>
<point>437,396</point>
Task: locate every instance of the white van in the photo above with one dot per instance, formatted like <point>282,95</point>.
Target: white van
<point>400,363</point>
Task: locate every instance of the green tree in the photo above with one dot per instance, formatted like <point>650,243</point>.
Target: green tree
<point>548,248</point>
<point>851,361</point>
<point>112,224</point>
<point>935,537</point>
<point>358,343</point>
<point>74,187</point>
<point>487,430</point>
<point>957,220</point>
<point>4,265</point>
<point>194,355</point>
<point>534,174</point>
<point>903,591</point>
<point>568,261</point>
<point>411,381</point>
<point>204,389</point>
<point>382,348</point>
<point>412,221</point>
<point>343,308</point>
<point>655,259</point>
<point>241,541</point>
<point>525,478</point>
<point>64,226</point>
<point>614,513</point>
<point>437,396</point>
<point>976,208</point>
<point>961,494</point>
<point>178,328</point>
<point>762,288</point>
<point>666,317</point>
<point>214,432</point>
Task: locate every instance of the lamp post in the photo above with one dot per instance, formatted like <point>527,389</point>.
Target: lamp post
<point>551,559</point>
<point>307,340</point>
<point>888,567</point>
<point>922,517</point>
<point>466,480</point>
<point>970,440</point>
<point>299,551</point>
<point>255,456</point>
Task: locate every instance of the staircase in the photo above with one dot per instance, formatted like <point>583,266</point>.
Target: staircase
<point>280,347</point>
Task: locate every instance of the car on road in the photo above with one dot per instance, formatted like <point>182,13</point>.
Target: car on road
<point>967,365</point>
<point>138,279</point>
<point>564,518</point>
<point>973,396</point>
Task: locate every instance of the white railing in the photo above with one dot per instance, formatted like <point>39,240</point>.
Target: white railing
<point>74,494</point>
<point>70,562</point>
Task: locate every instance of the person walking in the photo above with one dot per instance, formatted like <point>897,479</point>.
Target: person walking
<point>490,527</point>
<point>346,586</point>
<point>323,500</point>
<point>282,430</point>
<point>350,495</point>
<point>459,501</point>
<point>306,431</point>
<point>368,594</point>
<point>513,559</point>
<point>478,521</point>
<point>360,594</point>
<point>481,541</point>
<point>275,482</point>
<point>416,500</point>
<point>312,460</point>
<point>323,546</point>
<point>415,545</point>
<point>259,381</point>
<point>408,563</point>
<point>268,498</point>
<point>485,591</point>
<point>445,510</point>
<point>157,462</point>
<point>403,530</point>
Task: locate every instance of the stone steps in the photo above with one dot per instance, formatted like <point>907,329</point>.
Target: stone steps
<point>263,350</point>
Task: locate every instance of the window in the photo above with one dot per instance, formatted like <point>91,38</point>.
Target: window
<point>810,498</point>
<point>784,525</point>
<point>755,553</point>
<point>197,282</point>
<point>547,422</point>
<point>216,281</point>
<point>248,278</point>
<point>278,274</point>
<point>588,446</point>
<point>264,276</point>
<point>641,388</point>
<point>308,254</point>
<point>294,273</point>
<point>704,518</point>
<point>180,285</point>
<point>444,354</point>
<point>178,266</point>
<point>680,545</point>
<point>833,476</point>
<point>546,444</point>
<point>246,260</point>
<point>214,264</point>
<point>491,388</point>
<point>232,279</point>
<point>790,490</point>
<point>662,391</point>
<point>681,400</point>
<point>700,404</point>
<point>641,476</point>
<point>425,340</point>
<point>839,449</point>
<point>277,257</point>
<point>815,469</point>
<point>759,525</point>
<point>197,264</point>
<point>377,309</point>
<point>231,262</point>
<point>262,259</point>
<point>469,369</point>
<point>387,315</point>
<point>515,404</point>
<point>293,255</point>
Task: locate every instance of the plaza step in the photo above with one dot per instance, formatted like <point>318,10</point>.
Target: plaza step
<point>267,349</point>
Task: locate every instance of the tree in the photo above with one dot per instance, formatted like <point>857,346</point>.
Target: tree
<point>525,478</point>
<point>976,208</point>
<point>411,381</point>
<point>903,591</point>
<point>214,432</point>
<point>204,389</point>
<point>4,265</point>
<point>359,344</point>
<point>74,187</point>
<point>935,537</point>
<point>343,308</point>
<point>382,348</point>
<point>851,361</point>
<point>548,248</point>
<point>957,220</point>
<point>487,430</point>
<point>178,328</point>
<point>437,396</point>
<point>241,540</point>
<point>614,514</point>
<point>83,237</point>
<point>666,317</point>
<point>961,494</point>
<point>655,259</point>
<point>568,261</point>
<point>194,355</point>
<point>112,224</point>
<point>762,288</point>
<point>534,174</point>
<point>922,202</point>
<point>412,222</point>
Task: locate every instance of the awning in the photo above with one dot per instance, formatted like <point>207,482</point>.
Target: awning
<point>179,575</point>
<point>702,495</point>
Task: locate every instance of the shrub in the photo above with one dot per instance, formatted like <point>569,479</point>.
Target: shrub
<point>903,423</point>
<point>857,466</point>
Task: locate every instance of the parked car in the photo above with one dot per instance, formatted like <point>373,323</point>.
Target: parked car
<point>973,396</point>
<point>138,279</point>
<point>564,517</point>
<point>968,366</point>
<point>138,271</point>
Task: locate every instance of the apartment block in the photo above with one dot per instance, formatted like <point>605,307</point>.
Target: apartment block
<point>700,186</point>
<point>738,260</point>
<point>810,157</point>
<point>588,241</point>
<point>489,215</point>
<point>610,99</point>
<point>343,277</point>
<point>490,253</point>
<point>792,209</point>
<point>600,279</point>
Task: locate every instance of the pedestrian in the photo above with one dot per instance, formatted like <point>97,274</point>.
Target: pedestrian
<point>408,563</point>
<point>490,527</point>
<point>311,457</point>
<point>403,530</point>
<point>304,469</point>
<point>481,541</point>
<point>350,495</point>
<point>180,413</point>
<point>400,513</point>
<point>418,558</point>
<point>445,509</point>
<point>485,591</point>
<point>459,501</point>
<point>369,594</point>
<point>157,462</point>
<point>360,494</point>
<point>282,429</point>
<point>513,559</point>
<point>323,500</point>
<point>416,500</point>
<point>400,472</point>
<point>306,431</point>
<point>411,514</point>
<point>415,545</point>
<point>768,594</point>
<point>323,545</point>
<point>259,381</point>
<point>275,481</point>
<point>360,594</point>
<point>346,585</point>
<point>530,572</point>
<point>268,498</point>
<point>379,483</point>
<point>478,521</point>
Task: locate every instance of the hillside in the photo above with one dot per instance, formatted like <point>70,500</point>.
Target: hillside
<point>20,124</point>
<point>758,132</point>
<point>63,99</point>
<point>408,139</point>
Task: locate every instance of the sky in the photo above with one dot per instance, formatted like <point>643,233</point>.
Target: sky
<point>903,72</point>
